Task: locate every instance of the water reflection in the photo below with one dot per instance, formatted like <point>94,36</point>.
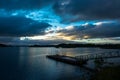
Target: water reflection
<point>81,51</point>
<point>37,66</point>
<point>31,63</point>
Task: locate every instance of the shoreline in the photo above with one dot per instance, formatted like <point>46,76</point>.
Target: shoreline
<point>63,45</point>
<point>107,73</point>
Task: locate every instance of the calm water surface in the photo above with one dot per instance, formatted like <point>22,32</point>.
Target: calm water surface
<point>31,63</point>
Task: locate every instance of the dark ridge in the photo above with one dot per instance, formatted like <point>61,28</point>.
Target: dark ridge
<point>108,46</point>
<point>3,45</point>
<point>63,45</point>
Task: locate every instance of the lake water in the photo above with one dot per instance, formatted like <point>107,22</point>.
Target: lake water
<point>22,63</point>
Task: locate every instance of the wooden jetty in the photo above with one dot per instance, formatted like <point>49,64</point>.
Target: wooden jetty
<point>82,59</point>
<point>113,54</point>
<point>67,59</point>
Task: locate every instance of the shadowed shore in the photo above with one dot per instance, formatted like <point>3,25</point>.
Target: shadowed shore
<point>108,73</point>
<point>63,45</point>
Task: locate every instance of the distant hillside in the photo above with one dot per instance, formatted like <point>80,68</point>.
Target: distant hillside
<point>63,45</point>
<point>111,46</point>
<point>3,45</point>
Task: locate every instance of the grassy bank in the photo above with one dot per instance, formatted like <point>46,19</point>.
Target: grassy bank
<point>108,73</point>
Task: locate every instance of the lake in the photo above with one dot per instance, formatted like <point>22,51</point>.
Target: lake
<point>24,63</point>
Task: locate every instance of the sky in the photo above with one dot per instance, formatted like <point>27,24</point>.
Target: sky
<point>26,22</point>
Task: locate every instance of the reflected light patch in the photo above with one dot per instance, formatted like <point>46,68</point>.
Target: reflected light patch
<point>22,38</point>
<point>70,27</point>
<point>65,37</point>
<point>86,37</point>
<point>36,37</point>
<point>44,37</point>
<point>103,22</point>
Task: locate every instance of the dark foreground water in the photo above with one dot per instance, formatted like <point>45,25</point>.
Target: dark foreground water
<point>31,64</point>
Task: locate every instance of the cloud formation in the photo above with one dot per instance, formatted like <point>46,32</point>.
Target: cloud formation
<point>35,18</point>
<point>70,10</point>
<point>104,30</point>
<point>96,30</point>
<point>24,4</point>
<point>21,26</point>
<point>75,10</point>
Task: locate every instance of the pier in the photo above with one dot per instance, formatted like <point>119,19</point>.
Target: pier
<point>113,54</point>
<point>67,59</point>
<point>82,59</point>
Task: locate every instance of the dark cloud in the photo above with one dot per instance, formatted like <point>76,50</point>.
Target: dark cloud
<point>6,39</point>
<point>21,26</point>
<point>24,4</point>
<point>14,24</point>
<point>104,30</point>
<point>75,10</point>
<point>77,31</point>
<point>70,10</point>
